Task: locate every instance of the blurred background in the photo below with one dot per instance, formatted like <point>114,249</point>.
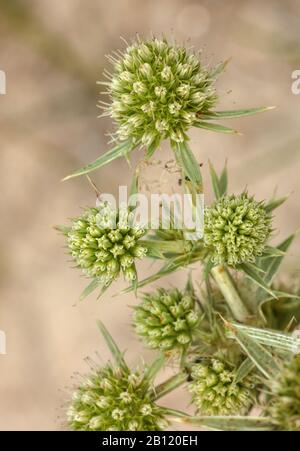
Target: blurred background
<point>53,53</point>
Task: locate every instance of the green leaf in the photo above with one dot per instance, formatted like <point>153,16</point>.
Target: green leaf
<point>262,358</point>
<point>95,283</point>
<point>272,265</point>
<point>275,339</point>
<point>231,114</point>
<point>215,127</point>
<point>256,278</point>
<point>62,229</point>
<point>244,370</point>
<point>187,161</point>
<point>115,351</point>
<point>153,369</point>
<point>169,385</point>
<point>218,69</point>
<point>226,423</point>
<point>214,180</point>
<point>223,181</point>
<point>121,149</point>
<point>275,203</point>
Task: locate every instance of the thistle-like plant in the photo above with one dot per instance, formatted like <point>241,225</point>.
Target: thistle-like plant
<point>233,327</point>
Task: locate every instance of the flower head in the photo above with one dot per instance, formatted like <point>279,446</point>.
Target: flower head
<point>156,91</point>
<point>115,399</point>
<point>215,391</point>
<point>167,319</point>
<point>285,402</point>
<point>236,229</point>
<point>104,242</point>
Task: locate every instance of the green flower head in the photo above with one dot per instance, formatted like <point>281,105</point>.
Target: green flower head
<point>285,402</point>
<point>236,229</point>
<point>104,242</point>
<point>167,319</point>
<point>115,399</point>
<point>215,392</point>
<point>157,90</point>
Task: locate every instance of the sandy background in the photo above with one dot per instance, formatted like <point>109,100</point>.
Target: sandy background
<point>53,53</point>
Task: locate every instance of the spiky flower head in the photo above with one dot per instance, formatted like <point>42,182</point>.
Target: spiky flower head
<point>156,92</point>
<point>215,391</point>
<point>115,399</point>
<point>285,403</point>
<point>236,229</point>
<point>167,319</point>
<point>104,242</point>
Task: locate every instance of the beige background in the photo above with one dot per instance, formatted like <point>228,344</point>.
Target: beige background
<point>53,53</point>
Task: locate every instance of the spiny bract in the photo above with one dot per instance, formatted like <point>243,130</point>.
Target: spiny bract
<point>285,401</point>
<point>167,319</point>
<point>215,392</point>
<point>104,242</point>
<point>115,399</point>
<point>236,229</point>
<point>156,92</point>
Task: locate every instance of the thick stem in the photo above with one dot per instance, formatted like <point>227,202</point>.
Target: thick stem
<point>230,293</point>
<point>169,385</point>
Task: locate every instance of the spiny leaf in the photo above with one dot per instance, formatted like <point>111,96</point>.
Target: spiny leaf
<point>262,358</point>
<point>256,278</point>
<point>186,159</point>
<point>244,370</point>
<point>169,385</point>
<point>219,68</point>
<point>214,180</point>
<point>215,127</point>
<point>274,339</point>
<point>119,150</point>
<point>223,180</point>
<point>231,114</point>
<point>272,265</point>
<point>275,203</point>
<point>226,423</point>
<point>95,283</point>
<point>153,369</point>
<point>115,351</point>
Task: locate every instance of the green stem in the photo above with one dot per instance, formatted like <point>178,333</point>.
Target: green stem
<point>169,385</point>
<point>230,293</point>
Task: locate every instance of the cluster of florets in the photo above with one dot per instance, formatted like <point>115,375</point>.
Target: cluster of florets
<point>285,402</point>
<point>104,242</point>
<point>157,90</point>
<point>115,399</point>
<point>167,319</point>
<point>215,391</point>
<point>236,229</point>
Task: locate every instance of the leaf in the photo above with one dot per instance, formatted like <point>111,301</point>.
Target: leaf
<point>158,247</point>
<point>272,265</point>
<point>187,161</point>
<point>95,283</point>
<point>219,184</point>
<point>214,180</point>
<point>119,150</point>
<point>215,127</point>
<point>256,278</point>
<point>223,181</point>
<point>275,203</point>
<point>62,229</point>
<point>169,385</point>
<point>226,423</point>
<point>219,68</point>
<point>116,353</point>
<point>153,369</point>
<point>262,358</point>
<point>244,370</point>
<point>231,114</point>
<point>278,340</point>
